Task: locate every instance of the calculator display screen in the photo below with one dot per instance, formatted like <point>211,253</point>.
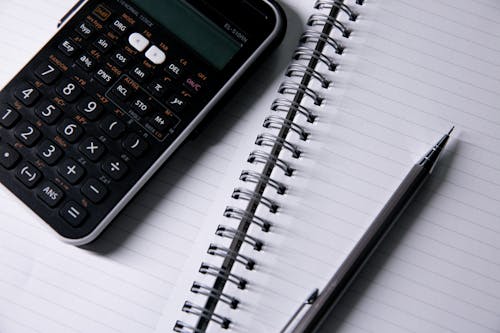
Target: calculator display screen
<point>209,40</point>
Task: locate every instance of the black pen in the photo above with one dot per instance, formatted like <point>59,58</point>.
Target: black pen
<point>370,240</point>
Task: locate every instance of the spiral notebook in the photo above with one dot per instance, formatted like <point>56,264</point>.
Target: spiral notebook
<point>236,239</point>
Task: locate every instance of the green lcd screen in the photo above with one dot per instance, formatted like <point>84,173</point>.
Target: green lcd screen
<point>209,40</point>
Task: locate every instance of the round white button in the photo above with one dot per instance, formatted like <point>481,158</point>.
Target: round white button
<point>156,55</point>
<point>138,41</point>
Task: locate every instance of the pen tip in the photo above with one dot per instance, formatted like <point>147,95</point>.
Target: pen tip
<point>451,130</point>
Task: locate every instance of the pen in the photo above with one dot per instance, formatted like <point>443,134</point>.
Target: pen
<point>348,270</point>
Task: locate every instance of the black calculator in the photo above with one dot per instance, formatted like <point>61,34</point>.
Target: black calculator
<point>120,86</point>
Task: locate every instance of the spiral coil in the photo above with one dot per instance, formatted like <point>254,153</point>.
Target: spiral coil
<point>290,104</point>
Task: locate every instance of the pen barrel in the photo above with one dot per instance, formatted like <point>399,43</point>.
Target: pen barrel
<point>362,251</point>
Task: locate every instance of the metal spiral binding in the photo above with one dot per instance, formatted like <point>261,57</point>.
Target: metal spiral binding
<point>280,122</point>
<point>299,70</point>
<point>240,214</point>
<point>292,88</point>
<point>255,177</point>
<point>224,252</point>
<point>291,107</point>
<point>208,269</point>
<point>304,52</point>
<point>264,157</point>
<point>266,139</point>
<point>201,289</point>
<point>314,36</point>
<point>246,194</point>
<point>200,311</point>
<point>232,233</point>
<point>322,19</point>
<point>329,4</point>
<point>285,105</point>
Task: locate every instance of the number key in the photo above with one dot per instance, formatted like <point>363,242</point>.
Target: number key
<point>8,116</point>
<point>49,152</point>
<point>28,134</point>
<point>48,112</point>
<point>90,108</point>
<point>70,130</point>
<point>27,94</point>
<point>48,73</point>
<point>69,90</point>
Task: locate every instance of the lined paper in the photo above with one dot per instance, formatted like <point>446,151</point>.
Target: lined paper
<point>410,71</point>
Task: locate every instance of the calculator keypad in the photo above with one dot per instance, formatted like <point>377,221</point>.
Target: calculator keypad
<point>87,118</point>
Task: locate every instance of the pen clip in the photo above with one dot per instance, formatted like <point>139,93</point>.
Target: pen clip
<point>310,300</point>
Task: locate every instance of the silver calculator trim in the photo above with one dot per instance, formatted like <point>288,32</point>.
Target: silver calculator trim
<point>182,137</point>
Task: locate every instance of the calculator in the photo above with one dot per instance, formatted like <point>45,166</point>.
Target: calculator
<point>120,86</point>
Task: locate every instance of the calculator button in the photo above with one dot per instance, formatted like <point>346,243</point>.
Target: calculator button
<point>141,106</point>
<point>161,122</point>
<point>48,112</point>
<point>50,194</point>
<point>8,116</point>
<point>74,214</point>
<point>175,70</point>
<point>49,152</point>
<point>71,171</point>
<point>90,108</point>
<point>121,59</point>
<point>29,175</point>
<point>112,127</point>
<point>103,44</point>
<point>192,85</point>
<point>122,90</point>
<point>139,73</point>
<point>28,134</point>
<point>155,55</point>
<point>176,103</point>
<point>138,41</point>
<point>68,47</point>
<point>85,30</point>
<point>104,77</point>
<point>135,145</point>
<point>48,73</point>
<point>8,156</point>
<point>27,94</point>
<point>115,168</point>
<point>94,190</point>
<point>102,13</point>
<point>93,149</point>
<point>158,88</point>
<point>70,130</point>
<point>86,62</point>
<point>69,90</point>
<point>119,26</point>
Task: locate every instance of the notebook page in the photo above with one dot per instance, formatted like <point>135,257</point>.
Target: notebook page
<point>121,282</point>
<point>411,70</point>
<point>427,64</point>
